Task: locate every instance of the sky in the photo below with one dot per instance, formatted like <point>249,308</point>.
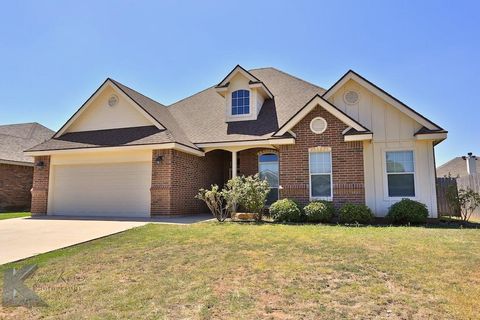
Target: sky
<point>54,54</point>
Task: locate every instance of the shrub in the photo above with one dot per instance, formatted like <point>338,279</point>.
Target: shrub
<point>463,201</point>
<point>233,192</point>
<point>408,211</point>
<point>248,192</point>
<point>286,210</point>
<point>255,195</point>
<point>355,213</point>
<point>319,211</point>
<point>214,200</point>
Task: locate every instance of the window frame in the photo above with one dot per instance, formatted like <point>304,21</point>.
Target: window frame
<point>386,173</point>
<point>313,198</point>
<point>249,104</point>
<point>278,165</point>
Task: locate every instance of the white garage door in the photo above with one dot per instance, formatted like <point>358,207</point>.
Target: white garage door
<point>107,189</point>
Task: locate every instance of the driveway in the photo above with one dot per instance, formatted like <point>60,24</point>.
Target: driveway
<point>21,238</point>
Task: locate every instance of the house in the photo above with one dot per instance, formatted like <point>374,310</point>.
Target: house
<point>123,153</point>
<point>459,167</point>
<point>16,169</point>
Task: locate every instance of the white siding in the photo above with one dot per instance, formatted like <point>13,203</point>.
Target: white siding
<point>392,130</point>
<point>99,115</point>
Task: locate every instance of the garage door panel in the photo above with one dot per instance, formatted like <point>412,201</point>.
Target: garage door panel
<point>119,189</point>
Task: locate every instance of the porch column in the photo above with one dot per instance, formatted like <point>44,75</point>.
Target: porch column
<point>234,164</point>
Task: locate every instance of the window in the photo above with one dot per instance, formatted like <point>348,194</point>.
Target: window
<point>400,174</point>
<point>240,102</point>
<point>320,174</point>
<point>268,169</point>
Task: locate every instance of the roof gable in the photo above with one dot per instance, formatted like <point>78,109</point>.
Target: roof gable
<point>317,100</point>
<point>130,113</point>
<point>402,107</point>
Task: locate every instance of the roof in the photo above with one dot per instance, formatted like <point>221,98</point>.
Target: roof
<point>290,95</point>
<point>107,138</point>
<point>200,118</point>
<point>457,167</point>
<point>15,138</point>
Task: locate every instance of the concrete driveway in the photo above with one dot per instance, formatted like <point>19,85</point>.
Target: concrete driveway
<point>21,238</point>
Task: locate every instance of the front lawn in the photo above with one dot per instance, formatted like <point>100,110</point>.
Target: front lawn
<point>10,215</point>
<point>238,271</point>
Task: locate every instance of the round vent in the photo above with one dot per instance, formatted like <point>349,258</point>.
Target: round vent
<point>113,100</point>
<point>318,125</point>
<point>351,97</point>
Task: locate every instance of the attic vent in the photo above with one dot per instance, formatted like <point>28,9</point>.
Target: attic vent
<point>351,97</point>
<point>113,100</point>
<point>318,125</point>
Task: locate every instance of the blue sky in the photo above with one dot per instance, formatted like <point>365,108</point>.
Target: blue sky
<point>54,54</point>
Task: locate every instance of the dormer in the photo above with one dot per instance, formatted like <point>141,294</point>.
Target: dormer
<point>244,95</point>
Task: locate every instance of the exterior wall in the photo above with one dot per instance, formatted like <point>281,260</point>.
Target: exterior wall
<point>15,185</point>
<point>392,130</point>
<point>40,186</point>
<point>99,115</point>
<point>179,176</point>
<point>347,162</point>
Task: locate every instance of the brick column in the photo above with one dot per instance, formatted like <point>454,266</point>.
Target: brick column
<point>40,186</point>
<point>161,182</point>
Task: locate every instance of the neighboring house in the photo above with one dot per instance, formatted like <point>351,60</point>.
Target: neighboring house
<point>459,167</point>
<point>16,169</point>
<point>123,153</point>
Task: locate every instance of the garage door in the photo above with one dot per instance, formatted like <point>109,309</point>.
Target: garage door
<point>107,189</point>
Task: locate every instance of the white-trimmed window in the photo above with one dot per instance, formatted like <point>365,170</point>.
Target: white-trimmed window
<point>268,169</point>
<point>320,174</point>
<point>400,173</point>
<point>240,102</point>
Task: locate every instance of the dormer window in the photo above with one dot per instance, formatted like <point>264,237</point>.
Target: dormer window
<point>240,102</point>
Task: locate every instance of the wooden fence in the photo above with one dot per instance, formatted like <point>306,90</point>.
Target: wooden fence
<point>443,184</point>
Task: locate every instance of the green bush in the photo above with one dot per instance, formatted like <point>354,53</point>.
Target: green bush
<point>355,213</point>
<point>286,210</point>
<point>319,211</point>
<point>408,211</point>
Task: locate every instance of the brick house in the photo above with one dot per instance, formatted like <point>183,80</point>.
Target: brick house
<point>16,169</point>
<point>124,154</point>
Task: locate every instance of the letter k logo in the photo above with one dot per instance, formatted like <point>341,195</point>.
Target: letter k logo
<point>15,293</point>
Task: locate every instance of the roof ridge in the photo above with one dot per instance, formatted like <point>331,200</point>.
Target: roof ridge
<point>291,75</point>
<point>116,82</point>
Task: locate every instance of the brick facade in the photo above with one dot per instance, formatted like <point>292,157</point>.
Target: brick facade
<point>178,177</point>
<point>15,184</point>
<point>347,161</point>
<point>40,186</point>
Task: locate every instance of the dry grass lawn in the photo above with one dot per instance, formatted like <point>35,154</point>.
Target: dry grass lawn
<point>247,271</point>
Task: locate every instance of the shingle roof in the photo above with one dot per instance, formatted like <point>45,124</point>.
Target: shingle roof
<point>160,113</point>
<point>107,138</point>
<point>457,167</point>
<point>208,124</point>
<point>15,138</point>
<point>200,118</point>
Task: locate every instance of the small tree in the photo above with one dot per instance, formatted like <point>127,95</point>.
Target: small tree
<point>464,201</point>
<point>254,197</point>
<point>214,200</point>
<point>233,193</point>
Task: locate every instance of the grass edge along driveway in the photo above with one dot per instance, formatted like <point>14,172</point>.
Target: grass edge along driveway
<point>233,271</point>
<point>11,215</point>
